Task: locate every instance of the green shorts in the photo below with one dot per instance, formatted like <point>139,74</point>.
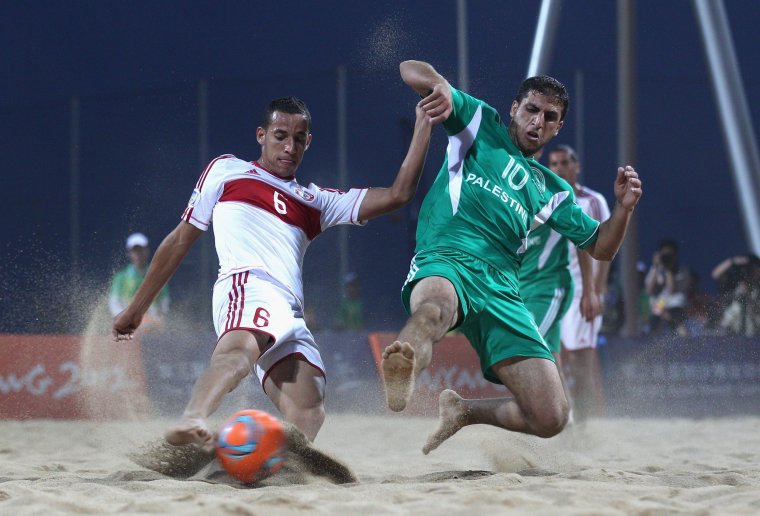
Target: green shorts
<point>495,320</point>
<point>548,303</point>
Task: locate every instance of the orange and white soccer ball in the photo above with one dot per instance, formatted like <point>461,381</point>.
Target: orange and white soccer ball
<point>251,445</point>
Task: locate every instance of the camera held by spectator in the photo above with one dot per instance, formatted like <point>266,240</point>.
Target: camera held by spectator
<point>668,285</point>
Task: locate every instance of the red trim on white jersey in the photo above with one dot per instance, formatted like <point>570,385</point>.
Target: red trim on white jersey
<point>355,209</point>
<point>187,214</point>
<point>275,201</point>
<point>595,209</point>
<point>263,222</point>
<point>237,294</point>
<point>265,169</point>
<point>250,329</point>
<point>202,179</point>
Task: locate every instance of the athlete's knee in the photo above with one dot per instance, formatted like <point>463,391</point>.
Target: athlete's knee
<point>235,364</point>
<point>550,420</point>
<point>434,315</point>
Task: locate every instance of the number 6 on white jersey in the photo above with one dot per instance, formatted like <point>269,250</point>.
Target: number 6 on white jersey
<point>279,204</point>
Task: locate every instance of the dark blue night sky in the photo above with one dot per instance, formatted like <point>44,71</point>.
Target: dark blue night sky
<point>135,68</point>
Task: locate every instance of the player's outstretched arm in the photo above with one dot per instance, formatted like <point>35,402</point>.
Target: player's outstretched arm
<point>379,201</point>
<point>423,79</point>
<point>612,231</point>
<point>165,262</point>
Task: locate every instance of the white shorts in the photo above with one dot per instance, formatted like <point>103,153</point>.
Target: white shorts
<point>575,331</point>
<point>251,301</point>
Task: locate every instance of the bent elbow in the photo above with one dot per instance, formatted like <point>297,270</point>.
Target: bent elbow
<point>405,199</point>
<point>396,204</point>
<point>603,255</point>
<point>402,197</point>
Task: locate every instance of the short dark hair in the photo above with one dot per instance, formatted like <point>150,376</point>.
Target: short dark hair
<point>292,105</point>
<point>566,149</point>
<point>545,85</point>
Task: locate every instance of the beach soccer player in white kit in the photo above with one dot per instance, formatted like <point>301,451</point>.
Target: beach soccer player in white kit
<point>263,222</point>
<point>578,332</point>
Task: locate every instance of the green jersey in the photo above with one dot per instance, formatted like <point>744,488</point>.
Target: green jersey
<point>488,197</point>
<point>350,314</point>
<point>546,284</point>
<point>123,287</point>
<point>546,261</point>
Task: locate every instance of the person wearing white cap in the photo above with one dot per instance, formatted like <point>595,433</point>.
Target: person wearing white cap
<point>127,280</point>
<point>264,220</point>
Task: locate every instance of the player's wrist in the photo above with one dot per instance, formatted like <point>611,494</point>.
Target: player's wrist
<point>627,209</point>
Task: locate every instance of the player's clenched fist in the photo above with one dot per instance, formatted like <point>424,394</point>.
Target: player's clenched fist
<point>438,103</point>
<point>627,187</point>
<point>124,325</point>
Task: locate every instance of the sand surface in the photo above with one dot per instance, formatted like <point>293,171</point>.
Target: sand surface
<point>616,466</point>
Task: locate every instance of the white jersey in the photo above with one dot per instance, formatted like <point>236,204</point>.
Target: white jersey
<point>595,205</point>
<point>264,222</point>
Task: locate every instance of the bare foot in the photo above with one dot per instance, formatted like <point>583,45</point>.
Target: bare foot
<point>398,373</point>
<point>452,414</point>
<point>191,430</point>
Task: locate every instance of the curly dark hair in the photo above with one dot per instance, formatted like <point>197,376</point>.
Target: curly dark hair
<point>545,85</point>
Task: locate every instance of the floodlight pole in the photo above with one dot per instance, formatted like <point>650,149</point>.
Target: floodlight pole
<point>546,30</point>
<point>343,253</point>
<point>626,77</point>
<point>462,52</point>
<point>205,277</point>
<point>74,185</point>
<point>579,114</point>
<point>733,110</point>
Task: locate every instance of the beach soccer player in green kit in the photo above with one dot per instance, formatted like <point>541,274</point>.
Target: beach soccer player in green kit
<point>473,230</point>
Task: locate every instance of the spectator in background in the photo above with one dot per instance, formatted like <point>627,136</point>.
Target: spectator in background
<point>351,310</point>
<point>669,286</point>
<point>126,281</point>
<point>728,273</point>
<point>739,286</point>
